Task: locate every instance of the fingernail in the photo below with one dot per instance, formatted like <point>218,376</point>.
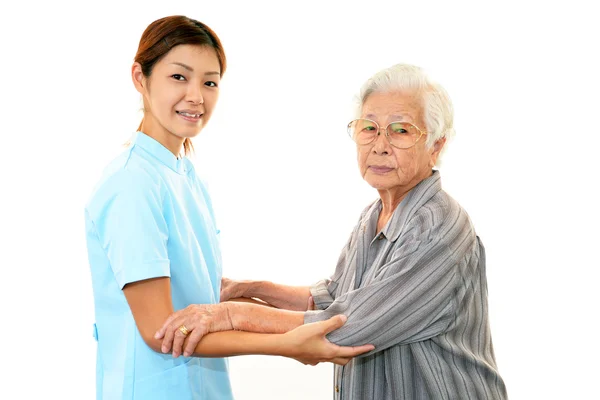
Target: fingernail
<point>344,318</point>
<point>186,354</point>
<point>164,349</point>
<point>156,335</point>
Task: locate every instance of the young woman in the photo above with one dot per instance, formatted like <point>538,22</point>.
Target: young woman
<point>153,245</point>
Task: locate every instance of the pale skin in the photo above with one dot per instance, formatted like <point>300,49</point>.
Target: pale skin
<point>179,98</point>
<point>392,171</point>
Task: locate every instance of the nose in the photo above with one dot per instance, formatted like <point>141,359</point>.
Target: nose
<point>194,95</point>
<point>382,145</point>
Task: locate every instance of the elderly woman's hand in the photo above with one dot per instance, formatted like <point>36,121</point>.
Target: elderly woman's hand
<point>308,344</point>
<point>192,322</point>
<point>231,289</point>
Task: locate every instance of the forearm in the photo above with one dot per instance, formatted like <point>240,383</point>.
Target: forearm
<point>281,296</point>
<point>250,317</point>
<point>251,301</point>
<point>233,343</point>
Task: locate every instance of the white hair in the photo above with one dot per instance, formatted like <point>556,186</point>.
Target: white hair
<point>438,113</point>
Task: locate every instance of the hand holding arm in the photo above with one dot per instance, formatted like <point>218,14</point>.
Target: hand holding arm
<point>150,303</point>
<point>310,345</point>
<point>306,344</point>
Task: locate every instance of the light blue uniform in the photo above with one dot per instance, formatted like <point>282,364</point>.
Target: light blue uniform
<point>150,216</point>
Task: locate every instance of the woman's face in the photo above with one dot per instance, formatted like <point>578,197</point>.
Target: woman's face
<point>181,92</point>
<point>383,166</point>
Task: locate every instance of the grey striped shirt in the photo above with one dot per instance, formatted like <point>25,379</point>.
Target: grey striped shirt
<point>417,291</point>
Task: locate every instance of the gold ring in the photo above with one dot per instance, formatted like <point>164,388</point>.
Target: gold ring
<point>184,330</point>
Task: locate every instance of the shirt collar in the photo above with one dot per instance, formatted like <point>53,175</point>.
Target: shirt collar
<point>158,151</point>
<point>416,197</point>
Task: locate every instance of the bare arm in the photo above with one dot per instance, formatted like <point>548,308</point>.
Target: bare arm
<point>150,303</point>
<point>294,298</point>
<point>251,301</point>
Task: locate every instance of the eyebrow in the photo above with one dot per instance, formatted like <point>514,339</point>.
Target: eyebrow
<point>192,69</point>
<point>394,117</point>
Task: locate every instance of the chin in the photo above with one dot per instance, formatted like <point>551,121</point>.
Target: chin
<point>187,133</point>
<point>379,184</point>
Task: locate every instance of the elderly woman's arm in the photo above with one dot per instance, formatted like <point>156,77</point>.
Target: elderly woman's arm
<point>416,294</point>
<point>294,298</point>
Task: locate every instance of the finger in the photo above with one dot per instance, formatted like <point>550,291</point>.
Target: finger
<point>308,362</point>
<point>161,332</point>
<point>334,323</point>
<point>353,351</point>
<point>192,341</point>
<point>178,343</point>
<point>341,360</point>
<point>311,303</point>
<point>170,333</point>
<point>223,295</point>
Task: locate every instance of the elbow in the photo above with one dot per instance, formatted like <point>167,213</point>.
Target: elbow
<point>154,344</point>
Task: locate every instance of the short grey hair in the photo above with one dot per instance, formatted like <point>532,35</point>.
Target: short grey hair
<point>438,111</point>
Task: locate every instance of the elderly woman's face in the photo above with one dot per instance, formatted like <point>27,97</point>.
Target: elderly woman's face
<point>383,166</point>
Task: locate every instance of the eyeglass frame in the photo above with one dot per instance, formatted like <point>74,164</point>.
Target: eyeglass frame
<point>387,134</point>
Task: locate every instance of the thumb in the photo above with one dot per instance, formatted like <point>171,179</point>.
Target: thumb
<point>161,332</point>
<point>334,323</point>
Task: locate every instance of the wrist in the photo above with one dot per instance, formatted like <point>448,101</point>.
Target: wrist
<point>238,315</point>
<point>284,345</point>
<point>251,288</point>
<point>227,310</point>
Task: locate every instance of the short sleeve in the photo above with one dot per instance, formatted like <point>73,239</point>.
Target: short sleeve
<point>127,212</point>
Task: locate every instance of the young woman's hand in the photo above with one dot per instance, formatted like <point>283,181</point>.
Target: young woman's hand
<point>192,323</point>
<point>308,343</point>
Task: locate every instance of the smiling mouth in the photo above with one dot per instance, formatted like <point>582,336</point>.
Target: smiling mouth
<point>188,115</point>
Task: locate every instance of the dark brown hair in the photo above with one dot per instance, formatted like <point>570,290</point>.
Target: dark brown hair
<point>164,34</point>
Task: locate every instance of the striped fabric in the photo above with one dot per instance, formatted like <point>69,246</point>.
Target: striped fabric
<point>417,291</point>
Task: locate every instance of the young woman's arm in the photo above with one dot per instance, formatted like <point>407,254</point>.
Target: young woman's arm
<point>150,303</point>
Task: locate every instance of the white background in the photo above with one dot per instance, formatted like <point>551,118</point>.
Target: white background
<point>523,76</point>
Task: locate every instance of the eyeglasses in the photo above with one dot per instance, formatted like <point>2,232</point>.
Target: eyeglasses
<point>402,135</point>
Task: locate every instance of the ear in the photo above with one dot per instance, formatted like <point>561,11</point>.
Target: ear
<point>435,151</point>
<point>138,78</point>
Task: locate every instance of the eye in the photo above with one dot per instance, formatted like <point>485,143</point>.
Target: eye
<point>399,128</point>
<point>369,128</point>
<point>211,84</point>
<point>178,77</point>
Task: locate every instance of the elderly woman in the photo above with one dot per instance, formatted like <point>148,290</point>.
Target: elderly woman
<point>411,279</point>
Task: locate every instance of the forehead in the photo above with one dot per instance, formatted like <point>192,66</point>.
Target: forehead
<point>393,105</point>
<point>201,58</point>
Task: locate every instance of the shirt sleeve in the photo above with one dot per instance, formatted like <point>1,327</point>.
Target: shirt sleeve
<point>128,216</point>
<point>324,291</point>
<point>413,297</point>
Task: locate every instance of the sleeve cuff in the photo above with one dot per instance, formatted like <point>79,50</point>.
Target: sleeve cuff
<point>156,269</point>
<point>320,293</point>
<point>314,316</point>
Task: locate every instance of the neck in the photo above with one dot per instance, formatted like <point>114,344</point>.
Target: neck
<point>151,128</point>
<point>391,198</point>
